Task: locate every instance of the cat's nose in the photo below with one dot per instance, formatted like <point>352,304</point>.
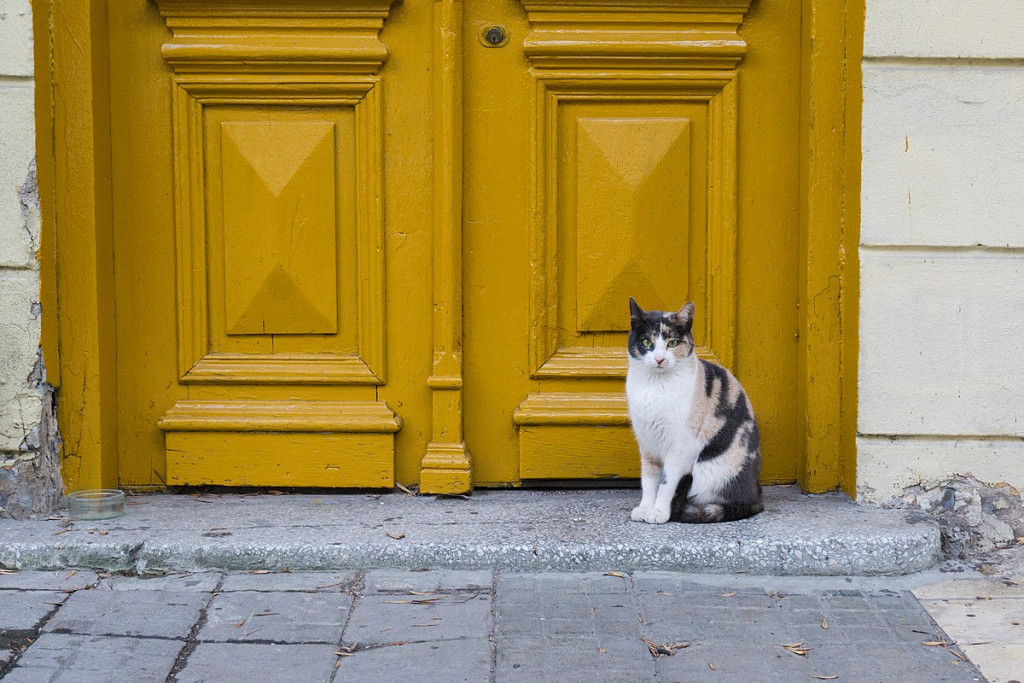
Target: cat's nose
<point>659,361</point>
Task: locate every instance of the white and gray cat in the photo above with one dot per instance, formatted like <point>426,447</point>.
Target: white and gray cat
<point>700,449</point>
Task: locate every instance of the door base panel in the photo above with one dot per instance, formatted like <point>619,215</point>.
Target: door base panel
<point>281,443</point>
<point>576,436</point>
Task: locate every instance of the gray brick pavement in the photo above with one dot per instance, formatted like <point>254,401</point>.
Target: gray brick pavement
<point>460,626</point>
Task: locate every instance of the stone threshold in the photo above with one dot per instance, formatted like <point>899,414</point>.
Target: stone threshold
<point>508,530</point>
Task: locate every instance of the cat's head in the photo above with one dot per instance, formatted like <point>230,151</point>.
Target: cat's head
<point>659,339</point>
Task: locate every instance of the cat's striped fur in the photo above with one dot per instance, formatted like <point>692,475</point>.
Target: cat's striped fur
<point>700,449</point>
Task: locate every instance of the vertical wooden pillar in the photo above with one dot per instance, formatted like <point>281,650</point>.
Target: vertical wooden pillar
<point>446,467</point>
<point>73,149</point>
<point>829,224</point>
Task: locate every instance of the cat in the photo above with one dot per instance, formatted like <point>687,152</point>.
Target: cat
<point>700,448</point>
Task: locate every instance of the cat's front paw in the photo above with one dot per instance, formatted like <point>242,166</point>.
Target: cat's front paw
<point>656,516</point>
<point>640,513</point>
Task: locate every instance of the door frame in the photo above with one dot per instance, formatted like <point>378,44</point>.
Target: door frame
<point>76,243</point>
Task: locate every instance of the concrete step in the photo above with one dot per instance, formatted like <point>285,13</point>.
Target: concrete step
<point>512,530</point>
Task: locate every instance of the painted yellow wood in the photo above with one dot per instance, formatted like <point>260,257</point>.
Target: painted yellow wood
<point>576,436</point>
<point>829,266</point>
<point>281,416</point>
<point>348,460</point>
<point>596,452</point>
<point>75,197</point>
<point>223,269</point>
<point>280,443</point>
<point>447,465</point>
<point>495,318</point>
<point>277,189</point>
<point>566,408</point>
<point>576,218</point>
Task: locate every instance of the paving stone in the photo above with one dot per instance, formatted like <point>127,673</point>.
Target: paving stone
<point>888,661</point>
<point>389,618</point>
<point>69,658</point>
<point>452,661</point>
<point>296,663</point>
<point>198,581</point>
<point>561,582</point>
<point>65,580</point>
<point>584,614</point>
<point>388,580</point>
<point>734,661</point>
<point>165,614</point>
<point>23,610</point>
<point>290,581</point>
<point>282,617</point>
<point>564,659</point>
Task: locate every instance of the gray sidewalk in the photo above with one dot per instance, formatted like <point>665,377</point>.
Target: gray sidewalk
<point>449,625</point>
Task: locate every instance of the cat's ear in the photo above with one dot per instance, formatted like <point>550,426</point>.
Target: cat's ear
<point>635,312</point>
<point>684,316</point>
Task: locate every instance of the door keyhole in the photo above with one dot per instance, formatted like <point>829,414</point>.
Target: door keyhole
<point>494,36</point>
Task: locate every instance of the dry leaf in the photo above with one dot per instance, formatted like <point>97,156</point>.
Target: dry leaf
<point>618,574</point>
<point>239,624</point>
<point>824,623</point>
<point>101,532</point>
<point>391,534</point>
<point>958,655</point>
<point>981,642</point>
<point>425,601</point>
<point>602,650</point>
<point>260,571</point>
<point>71,573</point>
<point>411,493</point>
<point>796,648</point>
<point>711,666</point>
<point>265,614</point>
<point>275,492</point>
<point>218,528</point>
<point>591,610</point>
<point>332,585</point>
<point>422,625</point>
<point>663,649</point>
<point>826,678</point>
<point>936,643</point>
<point>7,571</point>
<point>728,595</point>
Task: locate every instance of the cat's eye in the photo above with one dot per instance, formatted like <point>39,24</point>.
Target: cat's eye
<point>673,343</point>
<point>646,343</point>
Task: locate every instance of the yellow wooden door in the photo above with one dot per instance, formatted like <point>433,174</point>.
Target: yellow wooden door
<point>270,186</point>
<point>344,230</point>
<point>642,149</point>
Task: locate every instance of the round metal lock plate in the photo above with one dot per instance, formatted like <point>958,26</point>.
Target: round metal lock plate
<point>494,36</point>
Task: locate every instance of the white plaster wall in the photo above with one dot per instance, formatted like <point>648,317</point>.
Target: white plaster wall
<point>941,385</point>
<point>20,403</point>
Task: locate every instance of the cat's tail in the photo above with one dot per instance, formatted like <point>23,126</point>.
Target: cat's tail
<point>702,514</point>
